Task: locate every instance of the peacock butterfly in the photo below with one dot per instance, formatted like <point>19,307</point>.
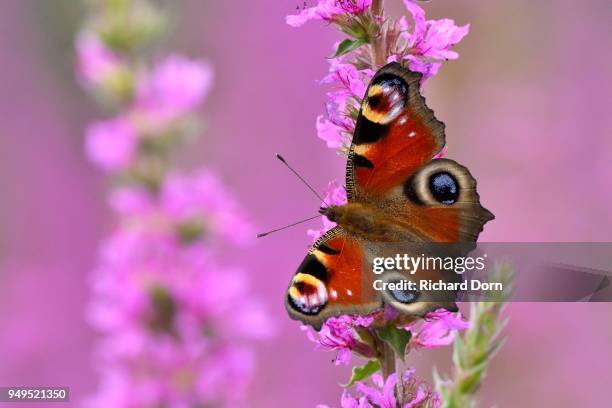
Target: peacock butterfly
<point>396,193</point>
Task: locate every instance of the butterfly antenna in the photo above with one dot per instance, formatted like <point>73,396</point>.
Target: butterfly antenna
<point>263,234</point>
<point>282,159</point>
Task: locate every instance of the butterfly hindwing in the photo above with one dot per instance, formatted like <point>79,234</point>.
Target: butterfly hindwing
<point>435,206</point>
<point>438,203</point>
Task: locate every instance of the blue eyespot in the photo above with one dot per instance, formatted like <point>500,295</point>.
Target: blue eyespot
<point>405,296</point>
<point>444,188</point>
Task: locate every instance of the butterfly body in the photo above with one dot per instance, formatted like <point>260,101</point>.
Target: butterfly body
<point>397,193</point>
<point>366,222</point>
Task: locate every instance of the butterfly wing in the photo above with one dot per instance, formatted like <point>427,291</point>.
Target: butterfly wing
<point>390,167</point>
<point>395,134</point>
<point>441,203</point>
<point>330,281</point>
<point>437,204</point>
<point>390,164</point>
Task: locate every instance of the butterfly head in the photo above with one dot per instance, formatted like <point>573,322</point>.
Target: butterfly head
<point>331,212</point>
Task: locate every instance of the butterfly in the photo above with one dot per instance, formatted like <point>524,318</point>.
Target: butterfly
<point>396,193</point>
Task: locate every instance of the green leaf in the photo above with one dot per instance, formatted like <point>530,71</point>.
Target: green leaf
<point>396,338</point>
<point>363,372</point>
<point>348,45</point>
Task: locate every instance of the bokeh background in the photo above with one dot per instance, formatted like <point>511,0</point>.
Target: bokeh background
<point>527,109</point>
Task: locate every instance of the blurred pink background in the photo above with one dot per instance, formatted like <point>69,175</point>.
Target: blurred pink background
<point>526,108</point>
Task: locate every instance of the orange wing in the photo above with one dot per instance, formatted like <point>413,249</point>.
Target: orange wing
<point>395,134</point>
<point>330,281</point>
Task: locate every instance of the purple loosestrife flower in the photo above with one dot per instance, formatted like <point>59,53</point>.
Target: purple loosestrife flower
<point>176,323</point>
<point>96,64</point>
<point>438,329</point>
<point>348,334</point>
<point>350,80</point>
<point>430,42</point>
<point>194,203</point>
<point>328,10</point>
<point>175,87</point>
<point>348,87</point>
<point>339,334</point>
<point>201,194</point>
<point>424,45</point>
<point>112,144</point>
<point>343,334</point>
<point>382,393</point>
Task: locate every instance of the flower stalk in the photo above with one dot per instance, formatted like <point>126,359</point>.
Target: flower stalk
<point>177,324</point>
<point>473,352</point>
<point>375,39</point>
<point>378,45</point>
<point>387,360</point>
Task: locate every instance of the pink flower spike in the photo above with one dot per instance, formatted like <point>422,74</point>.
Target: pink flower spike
<point>111,144</point>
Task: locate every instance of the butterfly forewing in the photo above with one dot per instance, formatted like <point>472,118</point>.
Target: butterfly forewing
<point>395,134</point>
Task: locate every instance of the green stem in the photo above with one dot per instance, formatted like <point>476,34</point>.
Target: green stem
<point>378,42</point>
<point>387,359</point>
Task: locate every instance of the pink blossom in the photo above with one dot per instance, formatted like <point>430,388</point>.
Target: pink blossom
<point>227,377</point>
<point>336,128</point>
<point>111,144</point>
<point>431,41</point>
<point>175,322</point>
<point>381,393</point>
<point>186,341</point>
<point>327,10</point>
<point>338,334</point>
<point>330,133</point>
<point>201,194</point>
<point>175,375</point>
<point>347,78</point>
<point>334,195</point>
<point>348,87</point>
<point>130,200</point>
<point>175,87</point>
<point>198,198</point>
<point>96,63</point>
<point>439,328</point>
